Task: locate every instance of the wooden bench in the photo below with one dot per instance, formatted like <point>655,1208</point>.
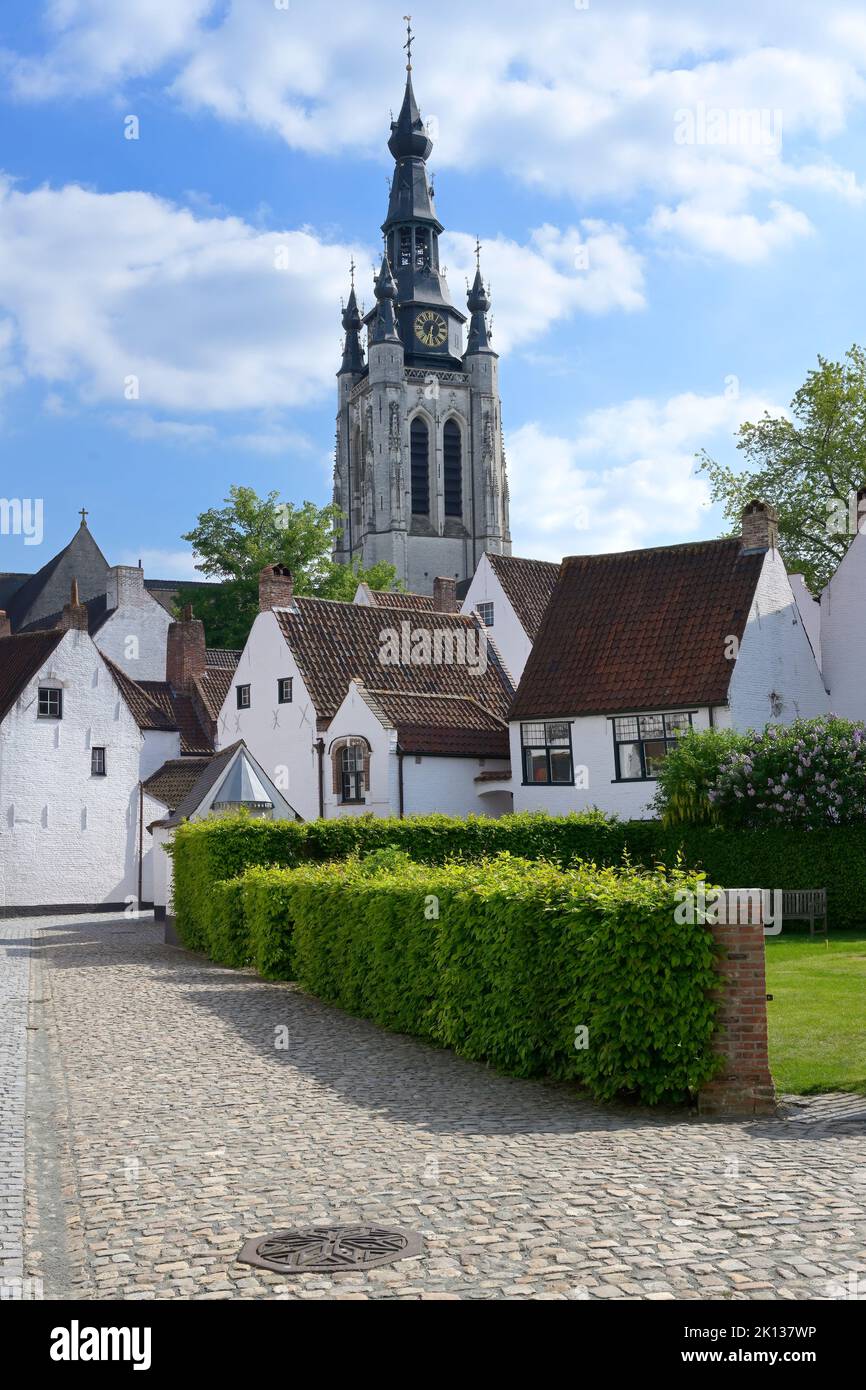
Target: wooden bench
<point>806,905</point>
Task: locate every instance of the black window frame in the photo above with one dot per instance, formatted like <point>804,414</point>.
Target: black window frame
<point>97,770</point>
<point>240,689</point>
<point>640,740</point>
<point>480,608</point>
<point>49,691</point>
<point>350,775</point>
<point>546,745</point>
<point>281,698</point>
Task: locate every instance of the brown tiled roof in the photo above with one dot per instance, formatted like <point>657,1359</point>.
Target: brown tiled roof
<point>147,713</point>
<point>335,642</point>
<point>208,775</point>
<point>175,780</point>
<point>21,658</point>
<point>528,585</point>
<point>642,630</point>
<point>441,724</point>
<point>221,658</point>
<point>179,709</point>
<point>419,603</point>
<point>213,687</point>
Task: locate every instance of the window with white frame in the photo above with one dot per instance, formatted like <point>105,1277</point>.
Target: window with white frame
<point>284,690</point>
<point>485,613</point>
<point>642,742</point>
<point>352,772</point>
<point>547,757</point>
<point>97,762</point>
<point>243,696</point>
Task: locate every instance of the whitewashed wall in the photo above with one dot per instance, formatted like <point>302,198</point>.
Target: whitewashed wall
<point>592,747</point>
<point>810,612</point>
<point>354,717</point>
<point>67,838</point>
<point>775,658</point>
<point>282,738</point>
<point>447,786</point>
<point>134,637</point>
<point>508,635</point>
<point>843,635</point>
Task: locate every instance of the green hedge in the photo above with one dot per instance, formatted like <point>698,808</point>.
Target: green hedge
<point>503,960</point>
<point>212,850</point>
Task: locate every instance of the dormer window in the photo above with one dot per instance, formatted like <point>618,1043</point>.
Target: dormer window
<point>50,703</point>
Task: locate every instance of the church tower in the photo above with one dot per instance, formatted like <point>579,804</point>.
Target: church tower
<point>419,474</point>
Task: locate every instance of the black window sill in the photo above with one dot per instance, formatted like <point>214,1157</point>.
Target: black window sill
<point>360,802</point>
<point>632,781</point>
<point>548,784</point>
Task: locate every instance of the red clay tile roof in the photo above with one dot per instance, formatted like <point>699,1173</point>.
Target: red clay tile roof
<point>146,713</point>
<point>222,658</point>
<point>642,630</point>
<point>528,585</point>
<point>441,724</point>
<point>179,709</point>
<point>419,603</point>
<point>175,780</point>
<point>335,642</point>
<point>21,658</point>
<point>213,687</point>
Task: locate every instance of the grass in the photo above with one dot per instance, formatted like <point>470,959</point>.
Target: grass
<point>817,1017</point>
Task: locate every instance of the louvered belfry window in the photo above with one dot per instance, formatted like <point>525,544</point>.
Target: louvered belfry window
<point>452,468</point>
<point>419,449</point>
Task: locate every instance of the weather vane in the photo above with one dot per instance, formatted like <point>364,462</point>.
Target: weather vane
<point>408,44</point>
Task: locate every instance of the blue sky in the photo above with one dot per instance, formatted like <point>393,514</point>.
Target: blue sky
<point>663,263</point>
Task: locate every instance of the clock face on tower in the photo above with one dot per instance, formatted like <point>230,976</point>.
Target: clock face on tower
<point>431,329</point>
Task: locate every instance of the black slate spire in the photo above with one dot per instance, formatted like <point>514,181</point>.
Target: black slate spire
<point>478,303</point>
<point>384,325</point>
<point>353,353</point>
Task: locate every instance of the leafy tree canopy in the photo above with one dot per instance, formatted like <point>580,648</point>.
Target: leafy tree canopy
<point>808,466</point>
<point>234,543</point>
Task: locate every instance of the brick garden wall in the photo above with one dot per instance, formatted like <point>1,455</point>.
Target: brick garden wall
<point>744,1086</point>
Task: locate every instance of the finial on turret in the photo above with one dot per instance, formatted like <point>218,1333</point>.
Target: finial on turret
<point>410,37</point>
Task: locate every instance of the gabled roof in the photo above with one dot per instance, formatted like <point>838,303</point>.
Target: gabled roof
<point>175,780</point>
<point>44,594</point>
<point>21,658</point>
<point>154,705</point>
<point>440,725</point>
<point>333,643</point>
<point>418,603</point>
<point>642,630</point>
<point>528,586</point>
<point>167,778</point>
<point>98,613</point>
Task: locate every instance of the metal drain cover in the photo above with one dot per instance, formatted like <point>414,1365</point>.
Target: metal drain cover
<point>326,1249</point>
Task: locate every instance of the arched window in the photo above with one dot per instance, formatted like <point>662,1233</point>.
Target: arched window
<point>419,450</point>
<point>350,761</point>
<point>452,466</point>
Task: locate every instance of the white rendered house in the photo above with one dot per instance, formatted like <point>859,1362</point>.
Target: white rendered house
<point>637,647</point>
<point>338,701</point>
<point>510,596</point>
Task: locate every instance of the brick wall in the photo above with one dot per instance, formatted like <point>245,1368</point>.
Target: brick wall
<point>744,1086</point>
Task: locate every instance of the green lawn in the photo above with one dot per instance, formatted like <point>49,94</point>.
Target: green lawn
<point>817,1017</point>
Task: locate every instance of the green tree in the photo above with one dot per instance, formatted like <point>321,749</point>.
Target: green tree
<point>808,467</point>
<point>235,542</point>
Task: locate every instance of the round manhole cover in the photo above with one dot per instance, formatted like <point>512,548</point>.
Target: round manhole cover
<point>324,1249</point>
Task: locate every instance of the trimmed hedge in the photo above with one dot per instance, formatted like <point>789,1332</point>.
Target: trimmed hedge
<point>208,851</point>
<point>503,960</point>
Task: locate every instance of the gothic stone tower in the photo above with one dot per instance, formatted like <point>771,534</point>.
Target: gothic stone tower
<point>419,474</point>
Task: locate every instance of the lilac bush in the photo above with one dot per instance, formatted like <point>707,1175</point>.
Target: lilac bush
<point>811,773</point>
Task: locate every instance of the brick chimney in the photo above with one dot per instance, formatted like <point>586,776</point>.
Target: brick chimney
<point>75,614</point>
<point>445,595</point>
<point>185,652</point>
<point>276,586</point>
<point>5,625</point>
<point>125,586</point>
<point>760,527</point>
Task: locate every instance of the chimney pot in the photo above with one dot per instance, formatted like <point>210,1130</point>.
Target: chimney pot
<point>760,527</point>
<point>276,588</point>
<point>185,652</point>
<point>445,595</point>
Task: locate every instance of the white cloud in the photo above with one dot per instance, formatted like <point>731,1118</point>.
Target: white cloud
<point>583,102</point>
<point>628,474</point>
<point>127,300</point>
<point>162,564</point>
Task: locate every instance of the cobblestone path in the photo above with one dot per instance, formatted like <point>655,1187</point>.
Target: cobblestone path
<point>165,1126</point>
